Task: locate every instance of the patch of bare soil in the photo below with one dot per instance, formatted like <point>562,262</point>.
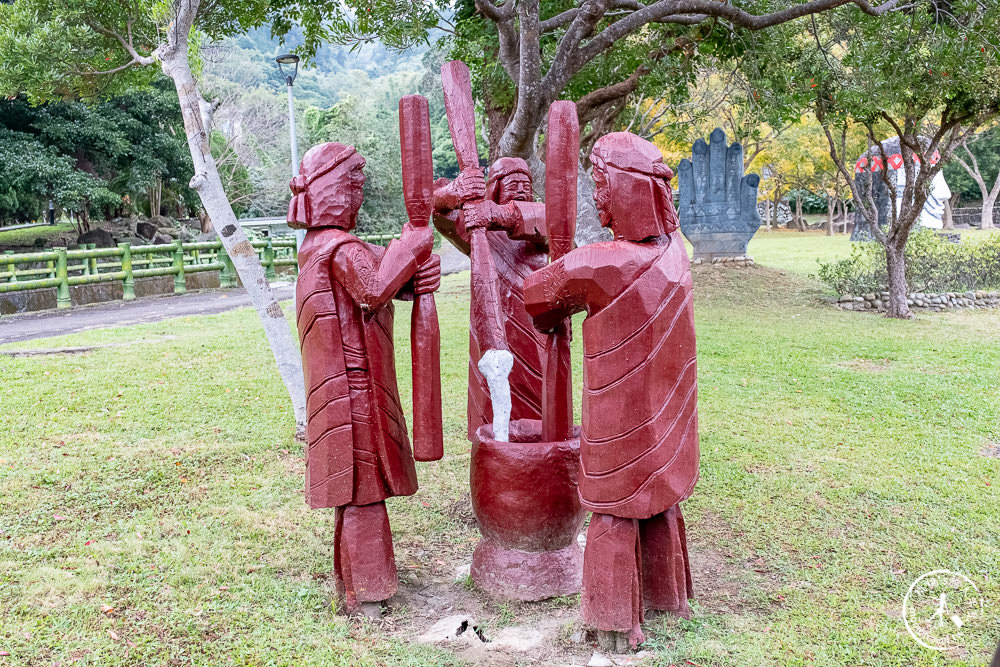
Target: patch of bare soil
<point>991,450</point>
<point>718,577</point>
<point>447,613</point>
<point>436,603</point>
<point>79,349</point>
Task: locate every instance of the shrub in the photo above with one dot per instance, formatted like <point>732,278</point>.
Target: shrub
<point>933,264</point>
<point>811,202</point>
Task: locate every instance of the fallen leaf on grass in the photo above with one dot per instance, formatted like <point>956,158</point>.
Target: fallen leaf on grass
<point>107,609</point>
<point>58,517</point>
<point>113,635</point>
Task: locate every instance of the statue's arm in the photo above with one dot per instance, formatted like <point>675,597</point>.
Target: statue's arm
<point>527,222</point>
<point>448,226</point>
<point>585,279</point>
<point>449,197</point>
<point>555,292</point>
<point>371,277</point>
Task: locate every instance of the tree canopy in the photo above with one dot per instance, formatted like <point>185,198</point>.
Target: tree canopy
<point>93,159</point>
<point>927,74</point>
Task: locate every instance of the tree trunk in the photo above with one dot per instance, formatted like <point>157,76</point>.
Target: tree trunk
<point>767,213</point>
<point>947,221</point>
<point>208,185</point>
<point>206,222</point>
<point>896,264</point>
<point>793,222</point>
<point>986,220</point>
<point>155,198</point>
<point>830,206</point>
<point>588,222</point>
<point>497,118</point>
<point>774,209</point>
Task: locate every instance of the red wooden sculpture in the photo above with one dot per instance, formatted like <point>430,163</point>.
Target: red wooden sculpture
<point>523,490</point>
<point>495,360</point>
<point>425,337</point>
<point>357,452</point>
<point>562,158</point>
<point>639,449</point>
<point>515,238</point>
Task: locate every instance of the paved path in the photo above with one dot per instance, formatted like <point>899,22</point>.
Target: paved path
<point>46,323</point>
<point>452,259</point>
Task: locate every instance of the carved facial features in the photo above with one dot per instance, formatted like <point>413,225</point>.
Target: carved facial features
<point>338,199</point>
<point>515,187</point>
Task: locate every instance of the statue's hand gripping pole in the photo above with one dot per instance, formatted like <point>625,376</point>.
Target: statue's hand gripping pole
<point>425,336</point>
<point>496,361</point>
<point>562,158</point>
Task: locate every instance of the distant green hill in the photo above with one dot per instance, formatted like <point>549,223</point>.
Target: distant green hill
<point>345,95</point>
<point>337,71</point>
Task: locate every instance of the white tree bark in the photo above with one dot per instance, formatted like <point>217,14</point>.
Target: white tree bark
<point>989,194</point>
<point>989,202</point>
<point>173,58</point>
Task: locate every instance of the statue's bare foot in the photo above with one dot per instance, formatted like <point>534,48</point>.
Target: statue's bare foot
<point>612,641</point>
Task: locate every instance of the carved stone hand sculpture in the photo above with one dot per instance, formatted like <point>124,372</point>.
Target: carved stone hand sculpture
<point>718,204</point>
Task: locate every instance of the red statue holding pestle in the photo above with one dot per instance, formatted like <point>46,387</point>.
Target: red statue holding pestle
<point>358,453</point>
<point>523,480</point>
<point>639,449</point>
<point>515,233</point>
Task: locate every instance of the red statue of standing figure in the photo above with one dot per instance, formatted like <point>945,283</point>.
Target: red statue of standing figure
<point>639,446</point>
<point>515,226</point>
<point>358,453</point>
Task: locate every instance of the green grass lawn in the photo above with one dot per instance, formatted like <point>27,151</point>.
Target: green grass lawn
<point>797,252</point>
<point>152,507</point>
<point>26,236</point>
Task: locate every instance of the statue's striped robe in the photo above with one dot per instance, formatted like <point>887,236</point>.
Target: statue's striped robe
<point>357,447</point>
<point>639,445</point>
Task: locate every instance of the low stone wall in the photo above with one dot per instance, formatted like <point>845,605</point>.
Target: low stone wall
<point>972,215</point>
<point>741,260</point>
<point>932,302</point>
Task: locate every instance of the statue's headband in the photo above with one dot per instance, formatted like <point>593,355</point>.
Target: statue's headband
<point>506,166</point>
<point>301,182</point>
<point>634,161</point>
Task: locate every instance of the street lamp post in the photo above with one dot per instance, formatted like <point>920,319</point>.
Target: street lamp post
<point>291,59</point>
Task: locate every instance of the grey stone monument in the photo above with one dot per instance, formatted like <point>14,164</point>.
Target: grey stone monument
<point>718,204</point>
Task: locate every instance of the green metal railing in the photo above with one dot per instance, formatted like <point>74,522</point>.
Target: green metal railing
<point>61,268</point>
